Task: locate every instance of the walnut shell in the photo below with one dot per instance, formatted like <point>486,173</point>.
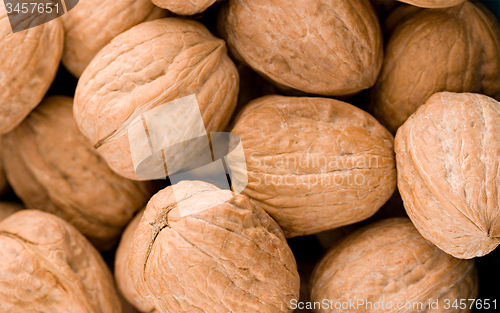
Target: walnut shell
<point>433,3</point>
<point>222,256</point>
<point>48,266</point>
<point>454,49</point>
<point>149,65</point>
<point>9,208</point>
<point>315,164</point>
<point>52,167</point>
<point>327,47</point>
<point>28,66</point>
<point>93,23</point>
<point>183,7</point>
<point>389,262</point>
<point>3,178</point>
<point>122,274</point>
<point>447,160</point>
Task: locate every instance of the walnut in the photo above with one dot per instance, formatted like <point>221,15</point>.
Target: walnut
<point>122,274</point>
<point>147,66</point>
<point>389,264</point>
<point>319,47</point>
<point>433,3</point>
<point>447,156</point>
<point>454,49</point>
<point>8,208</point>
<point>93,23</point>
<point>315,164</point>
<point>28,66</point>
<point>3,180</point>
<point>183,7</point>
<point>52,167</point>
<point>202,249</point>
<point>48,266</point>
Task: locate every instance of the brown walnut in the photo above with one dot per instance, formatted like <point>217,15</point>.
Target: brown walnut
<point>447,159</point>
<point>52,167</point>
<point>122,274</point>
<point>93,23</point>
<point>389,264</point>
<point>149,65</point>
<point>28,67</point>
<point>223,255</point>
<point>315,164</point>
<point>184,7</point>
<point>433,3</point>
<point>327,47</point>
<point>48,266</point>
<point>454,49</point>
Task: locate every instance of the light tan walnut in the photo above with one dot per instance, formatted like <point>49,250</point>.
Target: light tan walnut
<point>93,23</point>
<point>122,274</point>
<point>48,266</point>
<point>184,7</point>
<point>3,179</point>
<point>29,63</point>
<point>9,208</point>
<point>149,65</point>
<point>389,267</point>
<point>454,49</point>
<point>433,3</point>
<point>52,167</point>
<point>447,159</point>
<point>327,47</point>
<point>314,163</point>
<point>203,249</point>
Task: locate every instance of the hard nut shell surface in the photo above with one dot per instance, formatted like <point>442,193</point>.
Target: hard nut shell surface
<point>28,66</point>
<point>184,7</point>
<point>326,47</point>
<point>3,178</point>
<point>447,160</point>
<point>92,24</point>
<point>315,164</point>
<point>152,64</point>
<point>431,50</point>
<point>389,262</point>
<point>48,266</point>
<point>224,255</point>
<point>122,274</point>
<point>52,167</point>
<point>433,3</point>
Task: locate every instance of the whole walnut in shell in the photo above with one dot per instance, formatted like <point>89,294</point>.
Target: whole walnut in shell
<point>28,67</point>
<point>147,66</point>
<point>52,167</point>
<point>48,266</point>
<point>390,265</point>
<point>447,155</point>
<point>454,49</point>
<point>202,249</point>
<point>327,47</point>
<point>433,3</point>
<point>122,274</point>
<point>3,178</point>
<point>93,23</point>
<point>183,7</point>
<point>315,164</point>
<point>9,208</point>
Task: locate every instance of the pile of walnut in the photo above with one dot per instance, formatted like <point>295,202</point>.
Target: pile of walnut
<point>343,108</point>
